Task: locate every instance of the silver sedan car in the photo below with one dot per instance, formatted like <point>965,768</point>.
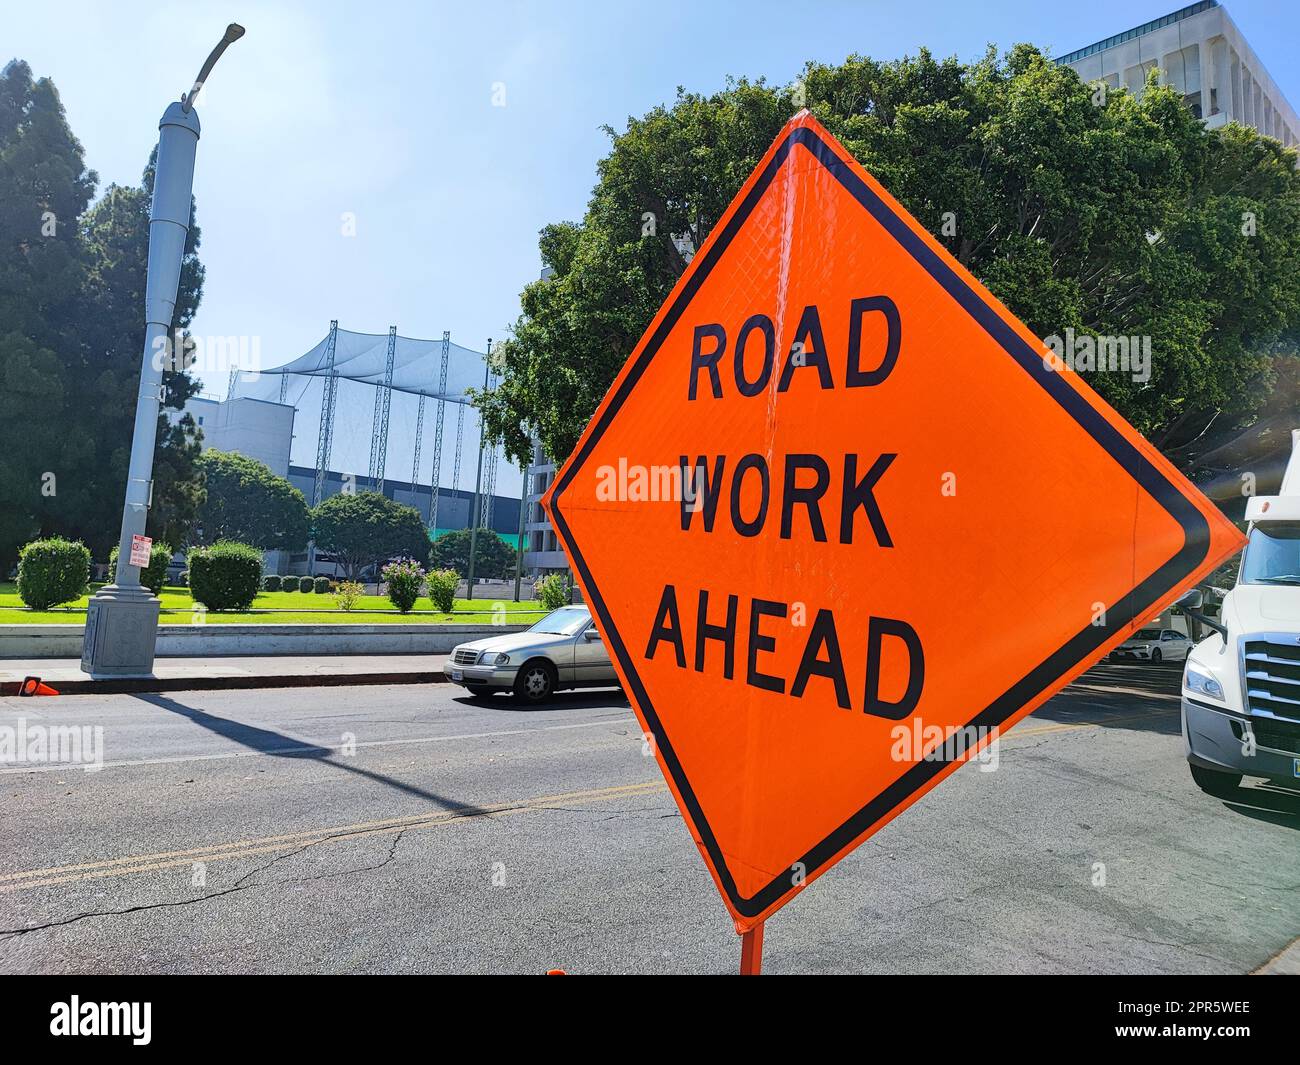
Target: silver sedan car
<point>563,650</point>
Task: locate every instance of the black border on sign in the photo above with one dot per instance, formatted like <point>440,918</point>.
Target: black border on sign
<point>1195,528</point>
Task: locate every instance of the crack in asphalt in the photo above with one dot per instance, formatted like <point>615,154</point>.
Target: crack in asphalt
<point>239,885</point>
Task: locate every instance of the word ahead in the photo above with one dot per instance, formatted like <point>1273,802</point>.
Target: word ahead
<point>821,655</point>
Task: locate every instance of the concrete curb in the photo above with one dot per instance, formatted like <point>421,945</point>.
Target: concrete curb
<point>132,685</point>
<point>220,640</point>
<point>1285,963</point>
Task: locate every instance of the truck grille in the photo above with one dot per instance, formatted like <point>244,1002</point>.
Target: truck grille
<point>1276,735</point>
<point>1272,671</point>
<point>465,658</point>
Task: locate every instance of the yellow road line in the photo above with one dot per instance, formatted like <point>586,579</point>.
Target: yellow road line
<point>1066,726</point>
<point>145,863</point>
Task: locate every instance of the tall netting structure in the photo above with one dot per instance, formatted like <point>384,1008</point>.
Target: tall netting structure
<point>379,407</point>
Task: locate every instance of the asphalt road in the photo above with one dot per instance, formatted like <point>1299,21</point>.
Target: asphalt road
<point>244,832</point>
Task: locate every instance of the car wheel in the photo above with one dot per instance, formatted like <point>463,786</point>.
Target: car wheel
<point>536,681</point>
<point>1213,782</point>
<point>1156,656</point>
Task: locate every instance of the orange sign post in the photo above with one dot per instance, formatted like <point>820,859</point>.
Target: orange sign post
<point>842,520</point>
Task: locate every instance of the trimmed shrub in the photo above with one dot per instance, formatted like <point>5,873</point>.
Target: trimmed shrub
<point>442,589</point>
<point>347,594</point>
<point>225,576</point>
<point>553,591</point>
<point>322,585</point>
<point>52,571</point>
<point>306,584</point>
<point>271,582</point>
<point>404,578</point>
<point>154,575</point>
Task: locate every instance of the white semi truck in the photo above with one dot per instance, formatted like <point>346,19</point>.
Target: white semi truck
<point>1241,685</point>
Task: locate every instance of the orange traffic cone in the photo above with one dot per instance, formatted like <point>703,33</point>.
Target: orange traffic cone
<point>33,686</point>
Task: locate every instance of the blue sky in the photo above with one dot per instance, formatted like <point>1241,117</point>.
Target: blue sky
<point>385,110</point>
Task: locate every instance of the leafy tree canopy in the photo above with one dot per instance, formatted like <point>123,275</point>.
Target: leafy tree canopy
<point>245,501</point>
<point>1109,214</point>
<point>493,557</point>
<point>71,337</point>
<point>363,529</point>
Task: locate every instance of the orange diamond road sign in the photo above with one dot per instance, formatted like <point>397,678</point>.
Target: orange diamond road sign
<point>842,519</point>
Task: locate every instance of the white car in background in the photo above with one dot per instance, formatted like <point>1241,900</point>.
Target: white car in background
<point>1153,645</point>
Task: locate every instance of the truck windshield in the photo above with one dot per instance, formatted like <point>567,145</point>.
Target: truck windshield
<point>1272,554</point>
<point>567,621</point>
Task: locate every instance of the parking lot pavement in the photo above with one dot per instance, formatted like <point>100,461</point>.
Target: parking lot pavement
<point>412,829</point>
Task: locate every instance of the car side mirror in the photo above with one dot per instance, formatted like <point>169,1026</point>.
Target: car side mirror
<point>1192,598</point>
<point>591,634</point>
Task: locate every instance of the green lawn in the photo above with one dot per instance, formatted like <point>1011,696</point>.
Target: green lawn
<point>280,608</point>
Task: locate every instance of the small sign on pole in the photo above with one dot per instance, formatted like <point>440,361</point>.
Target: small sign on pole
<point>141,548</point>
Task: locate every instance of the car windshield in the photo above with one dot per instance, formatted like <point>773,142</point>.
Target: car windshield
<point>1146,634</point>
<point>1272,554</point>
<point>567,621</point>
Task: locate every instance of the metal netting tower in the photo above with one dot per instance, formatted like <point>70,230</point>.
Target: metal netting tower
<point>460,441</point>
<point>490,472</point>
<point>437,432</point>
<point>325,432</point>
<point>374,393</point>
<point>383,405</point>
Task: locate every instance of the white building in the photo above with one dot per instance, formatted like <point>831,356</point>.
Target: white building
<point>542,551</point>
<point>254,428</point>
<point>251,427</point>
<point>1201,53</point>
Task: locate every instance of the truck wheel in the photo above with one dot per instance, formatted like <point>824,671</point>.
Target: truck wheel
<point>1213,782</point>
<point>536,681</point>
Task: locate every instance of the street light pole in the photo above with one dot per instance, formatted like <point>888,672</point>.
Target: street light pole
<point>523,530</point>
<point>478,484</point>
<point>122,617</point>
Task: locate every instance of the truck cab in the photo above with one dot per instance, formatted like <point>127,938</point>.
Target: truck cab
<point>1241,686</point>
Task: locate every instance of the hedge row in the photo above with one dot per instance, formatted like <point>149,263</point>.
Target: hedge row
<point>275,583</point>
<point>225,576</point>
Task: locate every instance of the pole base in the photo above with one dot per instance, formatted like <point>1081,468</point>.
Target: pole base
<point>121,632</point>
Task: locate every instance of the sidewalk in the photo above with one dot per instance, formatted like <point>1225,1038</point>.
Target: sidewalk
<point>193,674</point>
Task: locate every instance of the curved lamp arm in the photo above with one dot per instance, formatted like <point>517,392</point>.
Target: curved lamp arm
<point>233,32</point>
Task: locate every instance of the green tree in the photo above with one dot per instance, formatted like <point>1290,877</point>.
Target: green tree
<point>71,334</point>
<point>493,557</point>
<point>44,189</point>
<point>116,231</point>
<point>363,529</point>
<point>245,501</point>
<point>1123,216</point>
<point>1112,216</point>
